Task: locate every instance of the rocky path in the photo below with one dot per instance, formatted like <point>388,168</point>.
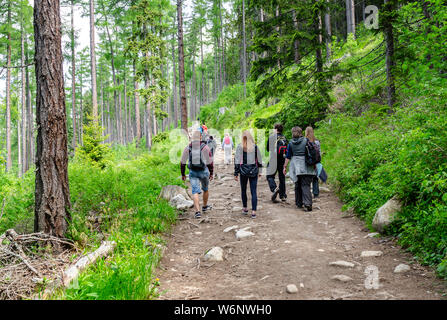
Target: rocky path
<point>292,254</point>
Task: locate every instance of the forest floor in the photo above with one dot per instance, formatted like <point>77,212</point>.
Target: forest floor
<point>289,246</point>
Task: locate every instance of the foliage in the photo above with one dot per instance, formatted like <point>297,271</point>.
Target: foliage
<point>93,149</point>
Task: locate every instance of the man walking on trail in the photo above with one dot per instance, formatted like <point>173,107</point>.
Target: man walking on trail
<point>277,147</point>
<point>200,164</point>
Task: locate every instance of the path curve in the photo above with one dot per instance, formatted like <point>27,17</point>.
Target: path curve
<point>290,246</point>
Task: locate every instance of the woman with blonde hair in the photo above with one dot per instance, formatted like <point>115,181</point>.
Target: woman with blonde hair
<point>311,137</point>
<point>247,162</point>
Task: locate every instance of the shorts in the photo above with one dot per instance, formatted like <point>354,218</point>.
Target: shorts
<point>199,177</point>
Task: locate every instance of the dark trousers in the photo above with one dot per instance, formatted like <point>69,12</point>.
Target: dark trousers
<point>253,186</point>
<point>315,186</point>
<point>282,180</point>
<point>302,191</point>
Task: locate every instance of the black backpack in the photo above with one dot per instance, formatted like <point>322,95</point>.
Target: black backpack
<point>312,154</point>
<point>281,146</point>
<point>250,170</point>
<point>196,166</point>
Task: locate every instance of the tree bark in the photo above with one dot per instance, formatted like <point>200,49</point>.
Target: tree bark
<point>327,22</point>
<point>184,108</point>
<point>73,77</point>
<point>390,62</point>
<point>52,196</point>
<point>244,53</point>
<point>8,97</point>
<point>93,62</point>
<point>23,93</point>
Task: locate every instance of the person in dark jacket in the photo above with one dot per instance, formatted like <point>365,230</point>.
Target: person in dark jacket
<point>311,136</point>
<point>300,173</point>
<point>277,147</point>
<point>200,164</point>
<point>247,162</point>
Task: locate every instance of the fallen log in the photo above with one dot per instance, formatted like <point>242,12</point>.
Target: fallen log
<point>73,271</point>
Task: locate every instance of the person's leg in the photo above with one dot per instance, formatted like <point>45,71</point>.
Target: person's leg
<point>205,181</point>
<point>244,181</point>
<point>195,186</point>
<point>196,202</point>
<point>205,198</point>
<point>253,190</point>
<point>298,193</point>
<point>315,187</point>
<point>282,181</point>
<point>307,195</point>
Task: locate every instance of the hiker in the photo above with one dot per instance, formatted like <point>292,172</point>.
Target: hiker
<point>311,137</point>
<point>200,164</point>
<point>211,143</point>
<point>247,162</point>
<point>227,146</point>
<point>277,147</point>
<point>299,171</point>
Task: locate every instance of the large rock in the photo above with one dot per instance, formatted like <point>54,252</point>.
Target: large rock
<point>386,214</point>
<point>181,203</point>
<point>402,268</point>
<point>215,254</point>
<point>169,192</point>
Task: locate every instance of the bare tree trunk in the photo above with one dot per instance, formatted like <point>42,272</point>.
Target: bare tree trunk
<point>93,61</point>
<point>181,57</point>
<point>222,39</point>
<point>244,51</point>
<point>23,93</point>
<point>352,7</point>
<point>390,62</point>
<point>174,87</point>
<point>348,17</point>
<point>296,43</point>
<point>81,116</point>
<point>327,22</point>
<point>29,110</point>
<point>52,196</point>
<point>278,48</point>
<point>8,97</point>
<point>73,77</point>
<point>137,105</point>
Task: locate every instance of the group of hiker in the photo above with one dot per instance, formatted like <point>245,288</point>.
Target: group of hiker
<point>302,155</point>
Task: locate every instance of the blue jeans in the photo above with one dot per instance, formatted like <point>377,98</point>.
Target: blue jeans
<point>253,186</point>
<point>315,186</point>
<point>198,178</point>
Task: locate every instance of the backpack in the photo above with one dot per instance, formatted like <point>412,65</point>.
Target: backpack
<point>281,146</point>
<point>227,140</point>
<point>312,155</point>
<point>250,170</point>
<point>196,166</point>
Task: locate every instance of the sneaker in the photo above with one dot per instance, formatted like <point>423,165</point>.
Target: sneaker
<point>299,206</point>
<point>206,208</point>
<point>275,194</point>
<point>316,196</point>
<point>308,208</point>
<point>244,212</point>
<point>198,215</point>
<point>253,215</point>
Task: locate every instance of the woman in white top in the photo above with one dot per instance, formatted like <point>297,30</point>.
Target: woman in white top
<point>227,146</point>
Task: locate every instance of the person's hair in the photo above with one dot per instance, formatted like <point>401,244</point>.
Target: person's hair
<point>310,134</point>
<point>248,143</point>
<point>297,132</point>
<point>279,127</point>
<point>211,138</point>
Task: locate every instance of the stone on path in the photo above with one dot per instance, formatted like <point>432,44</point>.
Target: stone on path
<point>402,268</point>
<point>242,234</point>
<point>291,288</point>
<point>237,209</point>
<point>386,214</point>
<point>371,235</point>
<point>341,263</point>
<point>181,203</point>
<point>366,254</point>
<point>230,228</point>
<point>341,277</point>
<point>236,200</point>
<point>215,254</point>
<point>324,189</point>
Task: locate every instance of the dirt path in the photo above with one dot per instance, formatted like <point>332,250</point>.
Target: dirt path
<point>290,246</point>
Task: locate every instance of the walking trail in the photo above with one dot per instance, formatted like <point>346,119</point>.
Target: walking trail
<point>289,246</point>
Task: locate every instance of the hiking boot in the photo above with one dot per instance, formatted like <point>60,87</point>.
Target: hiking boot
<point>275,194</point>
<point>206,208</point>
<point>308,209</point>
<point>198,215</point>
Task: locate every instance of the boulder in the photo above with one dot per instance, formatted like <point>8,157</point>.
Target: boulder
<point>169,192</point>
<point>214,254</point>
<point>386,214</point>
<point>181,203</point>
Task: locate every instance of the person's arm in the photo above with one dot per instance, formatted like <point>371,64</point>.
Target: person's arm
<point>288,157</point>
<point>183,161</point>
<point>207,155</point>
<point>237,165</point>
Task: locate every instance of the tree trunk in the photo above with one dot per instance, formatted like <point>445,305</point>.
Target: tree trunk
<point>244,51</point>
<point>93,61</point>
<point>174,85</point>
<point>296,43</point>
<point>352,7</point>
<point>23,93</point>
<point>73,77</point>
<point>181,58</point>
<point>390,62</point>
<point>52,196</point>
<point>137,105</point>
<point>327,22</point>
<point>8,96</point>
<point>222,39</point>
<point>348,17</point>
<point>29,111</point>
